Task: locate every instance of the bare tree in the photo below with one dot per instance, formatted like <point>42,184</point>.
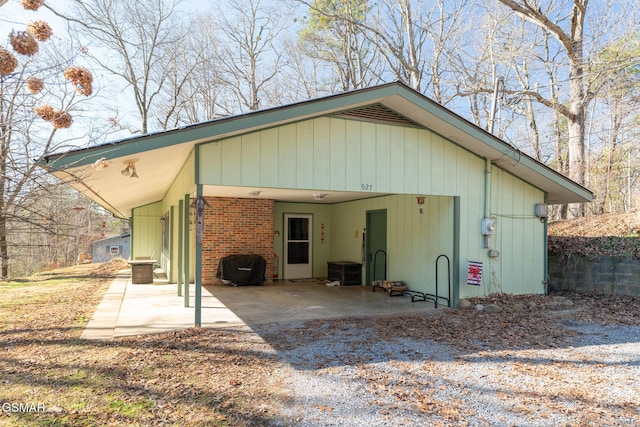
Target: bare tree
<point>335,33</point>
<point>196,90</point>
<point>250,57</point>
<point>135,41</point>
<point>28,87</point>
<point>569,31</point>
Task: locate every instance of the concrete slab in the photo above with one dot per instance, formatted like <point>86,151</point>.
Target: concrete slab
<point>284,300</point>
<point>135,309</point>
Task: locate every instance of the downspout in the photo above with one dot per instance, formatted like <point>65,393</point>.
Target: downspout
<point>487,199</point>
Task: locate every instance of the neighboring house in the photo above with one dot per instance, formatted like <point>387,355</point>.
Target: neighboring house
<point>299,185</point>
<point>105,250</point>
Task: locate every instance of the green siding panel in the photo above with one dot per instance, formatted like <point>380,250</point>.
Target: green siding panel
<point>413,240</point>
<point>211,168</point>
<point>382,166</point>
<point>332,154</point>
<point>269,158</point>
<point>425,181</point>
<point>338,152</point>
<point>322,154</point>
<point>147,231</point>
<point>397,159</point>
<point>411,161</point>
<point>353,155</point>
<point>287,166</point>
<point>231,162</point>
<point>250,166</point>
<point>369,167</point>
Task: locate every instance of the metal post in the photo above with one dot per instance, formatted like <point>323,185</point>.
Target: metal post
<point>198,279</point>
<point>180,237</point>
<point>455,276</point>
<point>187,250</point>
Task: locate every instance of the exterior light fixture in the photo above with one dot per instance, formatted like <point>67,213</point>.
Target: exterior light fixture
<point>130,170</point>
<point>319,196</point>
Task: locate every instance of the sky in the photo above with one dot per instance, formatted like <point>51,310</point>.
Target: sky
<point>106,87</point>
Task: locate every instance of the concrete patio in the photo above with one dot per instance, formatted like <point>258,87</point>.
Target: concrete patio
<point>135,309</point>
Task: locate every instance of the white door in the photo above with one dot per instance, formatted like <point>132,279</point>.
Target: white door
<point>297,246</point>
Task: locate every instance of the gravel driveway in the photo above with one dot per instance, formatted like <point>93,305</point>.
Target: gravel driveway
<point>552,361</point>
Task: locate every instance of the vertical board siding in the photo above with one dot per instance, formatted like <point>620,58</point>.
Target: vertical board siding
<point>334,154</point>
<point>353,154</point>
<point>230,162</point>
<point>250,169</point>
<point>269,158</point>
<point>322,153</point>
<point>341,155</point>
<point>519,236</point>
<point>338,155</point>
<point>287,168</point>
<point>183,184</point>
<point>147,235</point>
<point>437,168</point>
<point>368,158</point>
<point>424,160</point>
<point>304,158</point>
<point>413,240</point>
<point>411,160</point>
<point>382,168</point>
<point>397,159</point>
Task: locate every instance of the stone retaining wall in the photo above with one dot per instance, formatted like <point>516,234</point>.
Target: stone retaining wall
<point>608,275</point>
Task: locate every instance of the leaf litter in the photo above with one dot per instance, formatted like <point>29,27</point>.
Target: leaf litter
<point>547,364</point>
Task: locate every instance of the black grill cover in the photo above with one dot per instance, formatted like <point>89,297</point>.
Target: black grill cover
<point>242,269</point>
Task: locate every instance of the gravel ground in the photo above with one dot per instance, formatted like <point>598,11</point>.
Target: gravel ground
<point>371,372</point>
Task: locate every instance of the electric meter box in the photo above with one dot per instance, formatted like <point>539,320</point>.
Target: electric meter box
<point>488,226</point>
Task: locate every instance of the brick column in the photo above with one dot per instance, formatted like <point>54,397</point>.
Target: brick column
<point>237,226</point>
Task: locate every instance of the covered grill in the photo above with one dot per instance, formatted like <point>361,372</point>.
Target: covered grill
<point>242,269</point>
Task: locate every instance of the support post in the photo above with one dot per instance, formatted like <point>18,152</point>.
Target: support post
<point>198,279</point>
<point>455,276</point>
<point>180,251</point>
<point>187,250</point>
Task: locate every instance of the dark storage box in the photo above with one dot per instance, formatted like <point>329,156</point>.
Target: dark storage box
<point>242,269</point>
<point>348,273</point>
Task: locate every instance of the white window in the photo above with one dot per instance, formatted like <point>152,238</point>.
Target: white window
<point>114,250</point>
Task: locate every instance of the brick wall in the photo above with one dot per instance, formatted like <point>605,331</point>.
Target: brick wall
<point>236,226</point>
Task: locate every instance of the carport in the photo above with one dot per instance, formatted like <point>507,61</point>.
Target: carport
<point>381,168</point>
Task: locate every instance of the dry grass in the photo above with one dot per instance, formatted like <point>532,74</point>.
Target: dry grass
<point>193,377</point>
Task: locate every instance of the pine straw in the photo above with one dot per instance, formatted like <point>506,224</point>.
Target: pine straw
<point>599,235</point>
